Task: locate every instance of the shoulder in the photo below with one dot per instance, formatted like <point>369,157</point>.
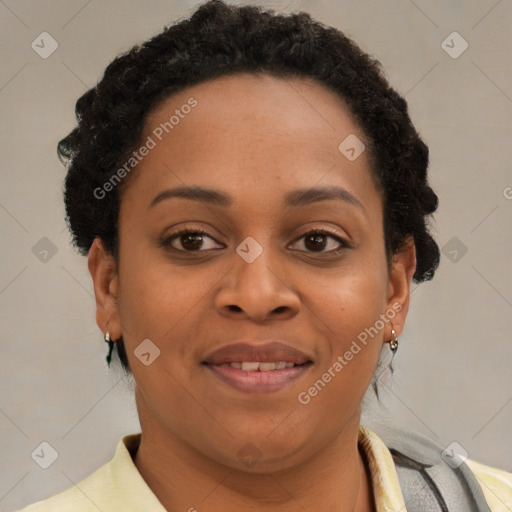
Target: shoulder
<point>496,484</point>
<point>429,472</point>
<point>79,498</point>
<point>116,486</point>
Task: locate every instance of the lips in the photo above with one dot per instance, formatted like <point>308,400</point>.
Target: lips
<point>244,353</point>
<point>262,368</point>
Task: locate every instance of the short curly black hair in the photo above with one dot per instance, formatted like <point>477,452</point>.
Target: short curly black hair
<point>220,39</point>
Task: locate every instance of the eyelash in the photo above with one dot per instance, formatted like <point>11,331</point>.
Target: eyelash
<point>166,243</point>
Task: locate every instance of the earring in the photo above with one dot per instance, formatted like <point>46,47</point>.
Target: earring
<point>393,345</point>
<point>110,347</point>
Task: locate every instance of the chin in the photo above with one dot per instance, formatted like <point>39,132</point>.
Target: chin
<point>264,451</point>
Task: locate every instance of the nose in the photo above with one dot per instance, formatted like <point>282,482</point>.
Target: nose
<point>258,291</point>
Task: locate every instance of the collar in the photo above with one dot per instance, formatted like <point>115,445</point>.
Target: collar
<point>386,488</point>
<point>128,489</point>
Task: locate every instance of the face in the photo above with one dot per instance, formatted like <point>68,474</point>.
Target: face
<point>264,261</point>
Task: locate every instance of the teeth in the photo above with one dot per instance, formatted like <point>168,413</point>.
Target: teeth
<point>253,366</point>
<point>249,367</point>
<point>265,367</point>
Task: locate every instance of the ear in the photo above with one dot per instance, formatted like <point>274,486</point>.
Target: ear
<point>402,270</point>
<point>102,267</point>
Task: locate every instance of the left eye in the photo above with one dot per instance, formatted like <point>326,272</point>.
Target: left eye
<point>317,241</point>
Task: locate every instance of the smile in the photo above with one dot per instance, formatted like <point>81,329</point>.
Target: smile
<point>258,377</point>
<point>254,366</point>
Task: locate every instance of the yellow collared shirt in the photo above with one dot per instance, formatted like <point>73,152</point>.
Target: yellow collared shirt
<point>118,486</point>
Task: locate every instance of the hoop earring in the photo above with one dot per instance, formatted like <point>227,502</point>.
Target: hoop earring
<point>110,347</point>
<point>393,345</point>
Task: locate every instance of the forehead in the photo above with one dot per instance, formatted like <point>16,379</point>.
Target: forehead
<point>259,104</point>
<point>251,132</point>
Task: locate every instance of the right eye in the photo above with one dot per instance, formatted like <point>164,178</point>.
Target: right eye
<point>191,239</point>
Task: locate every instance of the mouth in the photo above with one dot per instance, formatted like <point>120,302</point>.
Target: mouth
<point>258,368</point>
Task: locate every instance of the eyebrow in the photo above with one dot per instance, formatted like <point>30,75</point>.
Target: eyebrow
<point>195,193</point>
<point>305,196</point>
<point>295,198</point>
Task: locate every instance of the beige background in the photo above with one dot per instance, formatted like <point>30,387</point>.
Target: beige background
<point>453,379</point>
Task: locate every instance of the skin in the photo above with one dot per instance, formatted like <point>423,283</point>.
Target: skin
<point>256,138</point>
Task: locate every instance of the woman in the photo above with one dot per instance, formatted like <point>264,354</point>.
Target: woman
<point>254,204</point>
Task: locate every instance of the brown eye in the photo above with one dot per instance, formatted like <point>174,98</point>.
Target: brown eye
<point>315,241</point>
<point>188,240</point>
<point>318,241</point>
<point>191,241</point>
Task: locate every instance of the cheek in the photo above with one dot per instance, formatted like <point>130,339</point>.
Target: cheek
<point>350,314</point>
<point>173,307</point>
<point>154,295</point>
<point>349,300</point>
<point>334,392</point>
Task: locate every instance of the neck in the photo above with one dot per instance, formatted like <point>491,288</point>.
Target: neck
<point>336,479</point>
